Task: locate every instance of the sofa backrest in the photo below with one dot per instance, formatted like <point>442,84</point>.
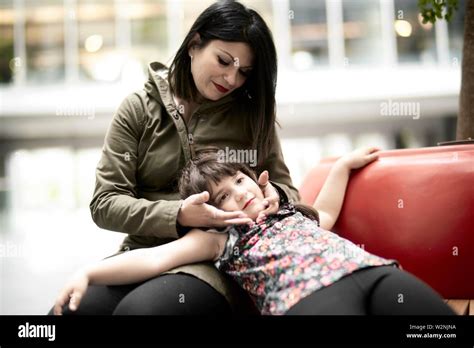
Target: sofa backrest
<point>413,205</point>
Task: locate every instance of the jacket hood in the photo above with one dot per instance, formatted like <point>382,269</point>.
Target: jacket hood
<point>157,83</point>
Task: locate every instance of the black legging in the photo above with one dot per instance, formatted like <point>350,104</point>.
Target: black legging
<point>377,291</point>
<point>169,294</point>
<point>384,290</point>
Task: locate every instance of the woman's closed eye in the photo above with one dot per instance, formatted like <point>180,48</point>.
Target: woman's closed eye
<point>222,61</point>
<point>244,73</point>
<point>226,63</point>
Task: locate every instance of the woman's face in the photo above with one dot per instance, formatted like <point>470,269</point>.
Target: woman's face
<point>238,193</point>
<point>220,67</point>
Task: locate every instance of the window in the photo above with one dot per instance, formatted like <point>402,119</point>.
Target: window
<point>456,33</point>
<point>44,30</point>
<point>7,64</point>
<point>189,13</point>
<point>309,33</point>
<point>415,40</point>
<point>362,31</point>
<point>149,32</point>
<point>98,58</point>
<point>264,9</point>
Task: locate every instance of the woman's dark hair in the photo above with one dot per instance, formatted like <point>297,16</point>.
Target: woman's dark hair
<point>198,173</point>
<point>233,22</point>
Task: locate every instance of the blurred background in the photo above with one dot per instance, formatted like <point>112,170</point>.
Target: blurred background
<point>65,66</point>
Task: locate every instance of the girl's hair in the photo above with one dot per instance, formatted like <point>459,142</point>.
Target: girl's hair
<point>233,22</point>
<point>197,175</point>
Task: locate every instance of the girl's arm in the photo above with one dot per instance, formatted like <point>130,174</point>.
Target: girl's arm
<point>330,199</point>
<point>141,264</point>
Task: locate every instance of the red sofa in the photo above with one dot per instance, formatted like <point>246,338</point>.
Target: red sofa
<point>416,206</point>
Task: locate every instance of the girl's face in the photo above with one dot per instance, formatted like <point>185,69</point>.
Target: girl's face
<point>220,67</point>
<point>236,193</point>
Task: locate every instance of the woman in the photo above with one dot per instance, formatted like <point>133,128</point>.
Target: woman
<point>219,93</point>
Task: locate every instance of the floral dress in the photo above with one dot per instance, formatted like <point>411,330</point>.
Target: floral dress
<point>287,257</point>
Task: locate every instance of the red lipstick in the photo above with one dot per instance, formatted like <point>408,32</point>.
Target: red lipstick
<point>220,88</point>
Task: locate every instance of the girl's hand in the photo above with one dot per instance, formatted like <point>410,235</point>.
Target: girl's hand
<point>72,293</point>
<point>272,198</point>
<point>196,213</point>
<point>359,157</point>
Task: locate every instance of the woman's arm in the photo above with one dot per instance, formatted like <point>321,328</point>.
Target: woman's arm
<point>330,199</point>
<point>115,204</point>
<point>141,264</point>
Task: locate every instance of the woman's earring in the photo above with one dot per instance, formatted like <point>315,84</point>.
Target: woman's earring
<point>191,56</point>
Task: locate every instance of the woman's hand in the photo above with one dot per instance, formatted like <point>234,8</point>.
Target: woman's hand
<point>195,212</point>
<point>272,198</point>
<point>72,293</point>
<point>359,157</point>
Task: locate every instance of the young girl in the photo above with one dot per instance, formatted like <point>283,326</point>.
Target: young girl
<point>288,262</point>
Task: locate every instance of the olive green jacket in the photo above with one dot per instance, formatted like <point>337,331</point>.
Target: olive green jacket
<point>145,147</point>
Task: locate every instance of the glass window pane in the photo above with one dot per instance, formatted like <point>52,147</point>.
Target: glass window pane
<point>44,25</point>
<point>6,43</point>
<point>191,11</point>
<point>149,32</point>
<point>98,58</point>
<point>456,33</point>
<point>264,8</point>
<point>362,31</point>
<point>415,41</point>
<point>309,33</point>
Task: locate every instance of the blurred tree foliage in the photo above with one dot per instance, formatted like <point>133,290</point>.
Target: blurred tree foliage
<point>431,10</point>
